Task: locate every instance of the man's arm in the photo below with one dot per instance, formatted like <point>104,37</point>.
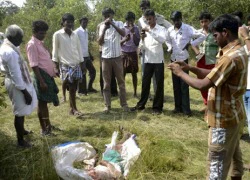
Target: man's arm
<point>118,29</point>
<point>198,37</point>
<point>201,84</point>
<point>244,32</point>
<point>55,46</point>
<point>100,39</point>
<point>43,85</point>
<point>158,36</point>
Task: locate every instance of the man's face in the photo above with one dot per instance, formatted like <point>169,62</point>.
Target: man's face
<point>220,38</point>
<point>204,23</point>
<point>177,23</point>
<point>130,22</point>
<point>40,35</point>
<point>68,24</point>
<point>17,40</point>
<point>109,15</point>
<point>151,20</point>
<point>84,23</point>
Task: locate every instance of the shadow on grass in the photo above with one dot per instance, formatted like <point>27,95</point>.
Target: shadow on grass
<point>88,131</point>
<point>170,99</point>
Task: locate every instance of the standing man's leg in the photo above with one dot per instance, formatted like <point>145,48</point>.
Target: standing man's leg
<point>113,84</point>
<point>223,152</point>
<point>72,97</point>
<point>107,73</point>
<point>247,108</point>
<point>92,74</point>
<point>82,89</point>
<point>159,93</point>
<point>117,65</point>
<point>43,115</point>
<point>185,98</point>
<point>101,79</point>
<point>135,81</point>
<point>19,126</point>
<point>146,81</point>
<point>64,88</point>
<point>177,93</point>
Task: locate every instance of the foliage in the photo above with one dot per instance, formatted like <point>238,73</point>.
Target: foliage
<point>52,11</point>
<point>7,8</point>
<point>2,94</point>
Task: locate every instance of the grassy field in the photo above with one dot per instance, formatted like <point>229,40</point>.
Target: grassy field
<point>173,147</point>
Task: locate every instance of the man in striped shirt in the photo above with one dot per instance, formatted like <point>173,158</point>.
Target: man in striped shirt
<point>225,112</point>
<point>110,34</point>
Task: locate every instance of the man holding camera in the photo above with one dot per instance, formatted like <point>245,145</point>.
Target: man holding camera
<point>110,34</point>
<point>153,36</point>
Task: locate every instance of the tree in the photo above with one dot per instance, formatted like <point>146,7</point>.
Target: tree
<point>7,8</point>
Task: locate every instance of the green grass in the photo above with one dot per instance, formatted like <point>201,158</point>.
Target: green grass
<point>173,147</point>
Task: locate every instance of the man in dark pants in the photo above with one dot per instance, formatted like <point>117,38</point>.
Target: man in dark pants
<point>152,40</point>
<point>179,37</point>
<point>82,33</point>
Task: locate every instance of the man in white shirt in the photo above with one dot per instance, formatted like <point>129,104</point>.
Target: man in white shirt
<point>142,23</point>
<point>110,34</point>
<point>18,82</point>
<point>82,33</point>
<point>151,43</point>
<point>179,37</point>
<point>67,52</point>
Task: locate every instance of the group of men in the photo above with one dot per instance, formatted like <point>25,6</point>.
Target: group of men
<point>221,68</point>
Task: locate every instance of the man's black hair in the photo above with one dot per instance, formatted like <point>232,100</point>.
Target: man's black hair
<point>130,15</point>
<point>205,15</point>
<point>107,11</point>
<point>149,12</point>
<point>225,21</point>
<point>39,25</point>
<point>67,16</point>
<point>83,18</point>
<point>144,3</point>
<point>176,15</point>
<point>239,14</point>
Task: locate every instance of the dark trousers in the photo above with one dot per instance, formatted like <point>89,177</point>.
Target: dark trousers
<point>92,73</point>
<point>113,85</point>
<point>151,69</point>
<point>181,94</point>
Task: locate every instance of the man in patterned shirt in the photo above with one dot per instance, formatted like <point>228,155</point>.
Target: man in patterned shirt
<point>225,110</point>
<point>110,34</point>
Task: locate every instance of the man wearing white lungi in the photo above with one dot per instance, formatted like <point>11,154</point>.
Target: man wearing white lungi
<point>17,81</point>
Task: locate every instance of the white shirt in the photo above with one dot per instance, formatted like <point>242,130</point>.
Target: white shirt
<point>177,40</point>
<point>84,40</point>
<point>160,20</point>
<point>111,47</point>
<point>10,64</point>
<point>66,49</point>
<point>152,44</point>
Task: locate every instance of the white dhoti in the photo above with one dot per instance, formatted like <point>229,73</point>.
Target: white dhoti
<point>20,108</point>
